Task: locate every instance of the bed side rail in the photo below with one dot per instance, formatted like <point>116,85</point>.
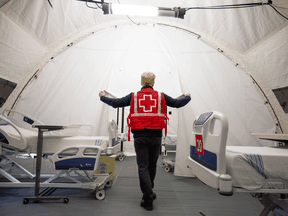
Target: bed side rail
<point>207,158</point>
<point>77,158</point>
<point>74,130</point>
<point>17,142</point>
<point>25,121</point>
<point>21,119</point>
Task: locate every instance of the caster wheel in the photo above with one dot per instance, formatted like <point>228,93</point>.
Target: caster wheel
<point>121,158</point>
<point>163,164</point>
<point>65,200</point>
<point>25,201</point>
<point>167,169</point>
<point>100,195</point>
<point>108,183</point>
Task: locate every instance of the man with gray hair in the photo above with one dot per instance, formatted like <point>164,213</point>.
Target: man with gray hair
<point>147,119</point>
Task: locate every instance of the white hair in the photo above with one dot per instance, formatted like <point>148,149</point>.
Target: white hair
<point>147,78</point>
<point>148,74</point>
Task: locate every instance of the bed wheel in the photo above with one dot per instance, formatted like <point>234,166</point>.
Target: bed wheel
<point>163,164</point>
<point>65,200</point>
<point>100,195</point>
<point>167,169</point>
<point>108,183</point>
<point>25,201</point>
<point>121,158</point>
<point>226,193</point>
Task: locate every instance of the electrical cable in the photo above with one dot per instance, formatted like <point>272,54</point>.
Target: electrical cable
<point>133,21</point>
<point>278,12</point>
<point>217,7</point>
<point>92,1</point>
<point>281,7</point>
<point>236,6</point>
<point>98,7</point>
<point>90,6</point>
<point>129,17</point>
<point>229,6</point>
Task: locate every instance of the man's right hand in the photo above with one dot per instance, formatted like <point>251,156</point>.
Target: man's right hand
<point>102,93</point>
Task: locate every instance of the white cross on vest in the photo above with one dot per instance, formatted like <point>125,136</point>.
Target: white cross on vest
<point>147,103</point>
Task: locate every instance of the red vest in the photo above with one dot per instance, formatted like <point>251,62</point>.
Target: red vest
<point>147,111</point>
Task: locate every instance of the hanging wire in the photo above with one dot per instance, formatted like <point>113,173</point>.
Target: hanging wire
<point>130,17</point>
<point>133,21</point>
<point>278,12</point>
<point>96,3</point>
<point>216,7</point>
<point>281,7</point>
<point>234,6</point>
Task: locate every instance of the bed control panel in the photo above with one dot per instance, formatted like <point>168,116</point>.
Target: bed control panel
<point>28,120</point>
<point>203,118</point>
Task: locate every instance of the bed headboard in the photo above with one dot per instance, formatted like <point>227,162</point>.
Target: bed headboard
<point>209,141</point>
<point>207,158</point>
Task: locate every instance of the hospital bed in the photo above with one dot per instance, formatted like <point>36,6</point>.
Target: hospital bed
<point>72,151</point>
<point>22,137</point>
<point>260,171</point>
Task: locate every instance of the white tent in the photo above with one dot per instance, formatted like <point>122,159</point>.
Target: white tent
<point>61,53</point>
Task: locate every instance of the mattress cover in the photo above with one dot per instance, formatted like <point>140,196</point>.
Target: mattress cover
<point>170,143</point>
<point>170,140</point>
<point>254,167</point>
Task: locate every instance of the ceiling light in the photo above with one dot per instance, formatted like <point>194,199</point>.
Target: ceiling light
<point>136,10</point>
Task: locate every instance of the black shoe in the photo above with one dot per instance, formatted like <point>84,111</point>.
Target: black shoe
<point>147,205</point>
<point>153,197</point>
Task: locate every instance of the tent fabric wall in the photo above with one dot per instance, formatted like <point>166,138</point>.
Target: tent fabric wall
<point>66,91</point>
<point>37,42</point>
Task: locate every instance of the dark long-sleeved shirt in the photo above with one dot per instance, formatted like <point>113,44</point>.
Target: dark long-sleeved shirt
<point>125,101</point>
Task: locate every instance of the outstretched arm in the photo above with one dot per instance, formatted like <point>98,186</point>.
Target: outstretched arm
<point>115,102</point>
<point>177,103</point>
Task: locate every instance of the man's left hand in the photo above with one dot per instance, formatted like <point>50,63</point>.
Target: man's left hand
<point>102,93</point>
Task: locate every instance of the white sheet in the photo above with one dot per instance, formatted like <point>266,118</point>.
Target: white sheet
<point>170,140</point>
<point>170,143</point>
<point>251,167</point>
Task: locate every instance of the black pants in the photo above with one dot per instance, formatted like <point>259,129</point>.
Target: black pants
<point>147,153</point>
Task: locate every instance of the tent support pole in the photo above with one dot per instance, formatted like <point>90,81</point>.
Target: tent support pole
<point>122,127</point>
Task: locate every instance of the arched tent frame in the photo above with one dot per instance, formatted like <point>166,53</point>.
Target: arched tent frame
<point>268,96</point>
